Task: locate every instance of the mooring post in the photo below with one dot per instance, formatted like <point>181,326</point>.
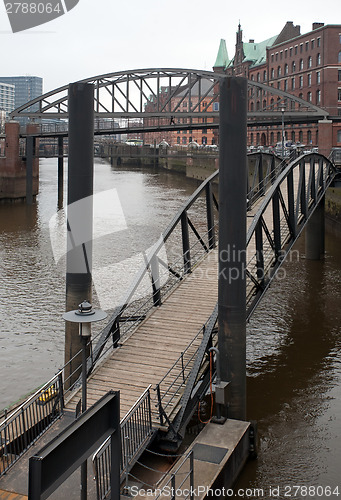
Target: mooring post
<point>29,169</point>
<point>314,233</point>
<point>232,242</point>
<point>79,215</point>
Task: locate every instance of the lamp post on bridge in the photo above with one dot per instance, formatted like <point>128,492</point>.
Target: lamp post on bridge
<point>84,316</point>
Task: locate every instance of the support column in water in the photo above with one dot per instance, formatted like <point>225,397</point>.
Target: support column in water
<point>60,171</point>
<point>314,233</point>
<point>232,242</point>
<point>79,215</point>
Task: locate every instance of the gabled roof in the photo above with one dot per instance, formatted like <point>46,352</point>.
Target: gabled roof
<point>222,60</point>
<point>256,52</point>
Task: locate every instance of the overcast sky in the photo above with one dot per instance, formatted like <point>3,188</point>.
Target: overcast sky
<point>103,36</point>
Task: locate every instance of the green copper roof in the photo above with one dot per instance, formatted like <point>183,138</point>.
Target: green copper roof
<point>256,52</point>
<point>222,58</point>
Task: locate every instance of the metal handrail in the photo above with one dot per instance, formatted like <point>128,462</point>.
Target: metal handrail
<point>139,416</point>
<point>183,483</point>
<point>21,429</point>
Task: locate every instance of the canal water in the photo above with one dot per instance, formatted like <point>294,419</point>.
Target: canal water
<point>294,346</point>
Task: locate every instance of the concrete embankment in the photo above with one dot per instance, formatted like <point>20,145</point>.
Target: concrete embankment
<point>333,210</point>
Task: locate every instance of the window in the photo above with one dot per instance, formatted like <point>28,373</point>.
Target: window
<point>319,42</point>
<point>338,138</point>
<point>318,77</point>
<point>339,94</point>
<point>296,48</point>
<point>178,140</point>
<point>339,75</point>
<point>264,76</point>
<point>276,56</point>
<point>281,55</point>
<point>290,51</point>
<point>293,136</point>
<point>278,137</point>
<point>313,43</point>
<point>300,136</point>
<point>309,80</point>
<point>264,105</point>
<point>286,69</point>
<point>258,106</point>
<point>306,46</point>
<point>293,67</point>
<point>272,104</point>
<point>301,64</point>
<point>272,57</point>
<point>300,95</point>
<point>279,71</point>
<point>310,62</point>
<point>339,57</point>
<point>293,83</point>
<point>309,137</point>
<point>285,84</point>
<point>318,59</point>
<point>272,73</point>
<point>286,53</point>
<point>318,96</point>
<point>251,138</point>
<point>301,48</point>
<point>251,106</point>
<point>257,138</point>
<point>272,137</point>
<point>301,82</point>
<point>278,85</point>
<point>258,77</point>
<point>309,96</point>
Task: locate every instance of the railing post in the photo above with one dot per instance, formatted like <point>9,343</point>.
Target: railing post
<point>259,253</point>
<point>291,203</point>
<point>61,391</point>
<point>276,223</point>
<point>191,481</point>
<point>60,171</point>
<point>273,169</point>
<point>24,428</point>
<point>173,497</point>
<point>185,243</point>
<point>159,403</point>
<point>210,216</point>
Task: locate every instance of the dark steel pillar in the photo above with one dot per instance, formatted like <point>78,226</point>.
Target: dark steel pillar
<point>60,171</point>
<point>29,169</point>
<point>79,215</point>
<point>314,235</point>
<point>232,241</point>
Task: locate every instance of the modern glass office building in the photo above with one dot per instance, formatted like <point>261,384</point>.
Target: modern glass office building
<point>26,89</point>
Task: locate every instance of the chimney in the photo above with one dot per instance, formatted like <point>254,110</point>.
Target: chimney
<point>317,25</point>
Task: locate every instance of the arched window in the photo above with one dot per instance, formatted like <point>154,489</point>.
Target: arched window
<point>300,136</point>
<point>317,138</point>
<point>338,136</point>
<point>251,106</point>
<point>309,96</point>
<point>301,64</point>
<point>258,77</point>
<point>251,138</point>
<point>318,96</point>
<point>264,104</point>
<point>293,67</point>
<point>279,71</point>
<point>272,104</point>
<point>278,136</point>
<point>293,136</point>
<point>309,137</point>
<point>318,59</point>
<point>286,69</point>
<point>272,138</point>
<point>264,76</point>
<point>258,106</point>
<point>310,62</point>
<point>339,57</point>
<point>257,138</point>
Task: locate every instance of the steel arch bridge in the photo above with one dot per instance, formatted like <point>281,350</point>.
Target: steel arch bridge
<point>168,95</point>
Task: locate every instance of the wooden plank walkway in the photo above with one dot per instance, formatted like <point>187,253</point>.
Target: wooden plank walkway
<point>146,356</point>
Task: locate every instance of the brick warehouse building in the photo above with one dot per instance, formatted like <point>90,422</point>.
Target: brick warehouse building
<point>307,66</point>
<point>181,137</point>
